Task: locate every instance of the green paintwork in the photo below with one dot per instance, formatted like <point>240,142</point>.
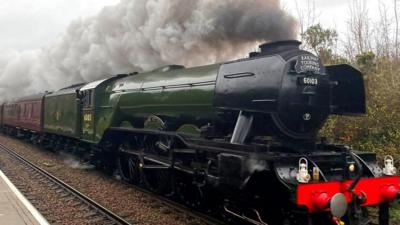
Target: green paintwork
<point>61,112</point>
<point>180,98</point>
<point>126,124</point>
<point>189,129</point>
<point>65,114</point>
<point>177,97</point>
<point>87,123</point>
<point>98,116</point>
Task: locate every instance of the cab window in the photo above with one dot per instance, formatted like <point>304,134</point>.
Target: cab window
<point>87,98</point>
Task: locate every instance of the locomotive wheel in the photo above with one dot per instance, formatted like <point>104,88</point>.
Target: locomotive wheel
<point>190,193</point>
<point>157,180</point>
<point>128,166</point>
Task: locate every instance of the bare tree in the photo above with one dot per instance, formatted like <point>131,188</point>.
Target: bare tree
<point>396,46</point>
<point>359,31</point>
<point>307,16</point>
<point>382,29</point>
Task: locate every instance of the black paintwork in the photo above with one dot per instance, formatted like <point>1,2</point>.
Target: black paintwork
<point>291,88</point>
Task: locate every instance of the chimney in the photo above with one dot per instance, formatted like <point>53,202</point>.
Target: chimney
<point>279,46</point>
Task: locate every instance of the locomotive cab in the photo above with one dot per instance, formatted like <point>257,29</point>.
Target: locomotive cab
<point>291,90</point>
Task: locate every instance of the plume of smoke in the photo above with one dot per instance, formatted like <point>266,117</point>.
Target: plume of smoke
<point>145,34</point>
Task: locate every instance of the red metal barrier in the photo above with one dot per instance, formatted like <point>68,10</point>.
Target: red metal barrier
<point>316,196</point>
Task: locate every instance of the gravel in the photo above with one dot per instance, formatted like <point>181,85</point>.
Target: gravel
<point>123,199</point>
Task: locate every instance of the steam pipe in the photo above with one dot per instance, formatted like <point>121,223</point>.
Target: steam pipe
<point>242,128</point>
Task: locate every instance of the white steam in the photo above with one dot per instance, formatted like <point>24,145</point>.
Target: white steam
<point>142,35</point>
<point>75,163</point>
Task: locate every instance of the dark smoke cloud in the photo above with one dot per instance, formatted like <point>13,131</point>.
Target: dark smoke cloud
<point>144,34</point>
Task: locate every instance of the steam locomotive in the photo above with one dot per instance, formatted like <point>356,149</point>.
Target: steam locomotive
<point>239,138</point>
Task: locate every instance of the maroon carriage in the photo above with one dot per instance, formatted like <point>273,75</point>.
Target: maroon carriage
<point>10,114</point>
<point>30,113</point>
<point>25,113</point>
<point>1,115</point>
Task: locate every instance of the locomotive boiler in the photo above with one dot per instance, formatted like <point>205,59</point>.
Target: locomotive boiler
<point>281,91</point>
<point>239,137</point>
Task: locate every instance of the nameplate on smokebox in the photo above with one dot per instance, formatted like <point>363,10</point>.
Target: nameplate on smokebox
<point>308,63</point>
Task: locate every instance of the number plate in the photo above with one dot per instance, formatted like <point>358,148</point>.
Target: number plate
<point>311,81</point>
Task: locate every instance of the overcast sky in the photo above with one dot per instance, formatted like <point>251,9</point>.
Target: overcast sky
<point>335,13</point>
<point>27,24</point>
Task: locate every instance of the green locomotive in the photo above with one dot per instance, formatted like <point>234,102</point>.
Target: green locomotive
<point>202,100</point>
<point>238,136</point>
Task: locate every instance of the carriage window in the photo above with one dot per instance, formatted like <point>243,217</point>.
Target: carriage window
<point>30,106</point>
<point>33,113</point>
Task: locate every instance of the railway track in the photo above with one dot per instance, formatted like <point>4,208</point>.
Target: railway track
<point>180,207</point>
<point>94,212</point>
